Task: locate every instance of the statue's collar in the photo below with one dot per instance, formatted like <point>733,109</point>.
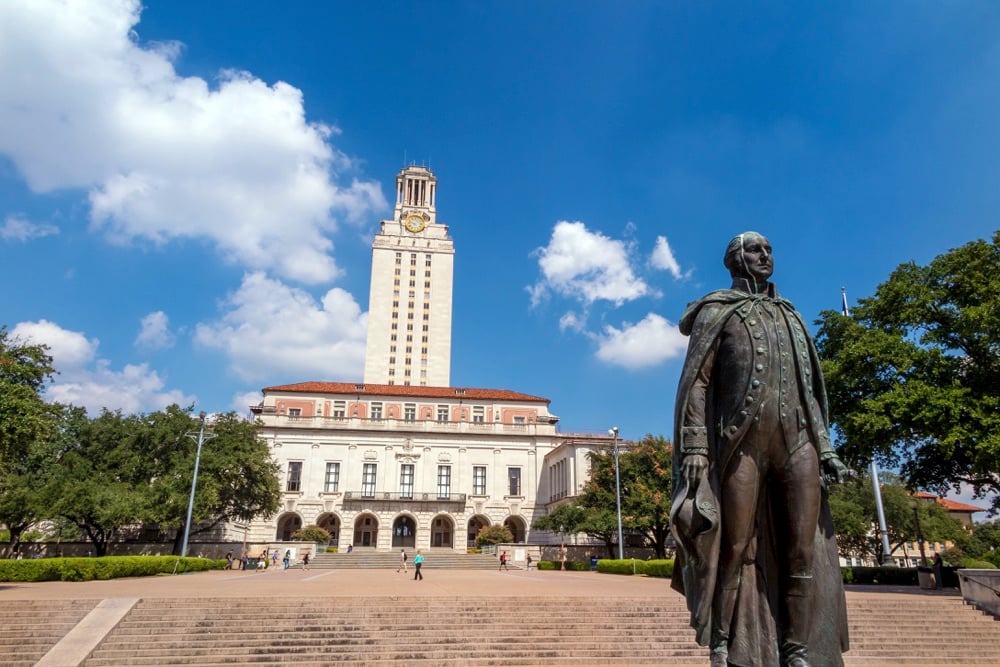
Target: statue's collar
<point>743,285</point>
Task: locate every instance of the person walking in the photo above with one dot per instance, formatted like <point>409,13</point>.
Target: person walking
<point>287,560</point>
<point>402,560</point>
<point>305,561</point>
<point>418,560</point>
<point>503,562</point>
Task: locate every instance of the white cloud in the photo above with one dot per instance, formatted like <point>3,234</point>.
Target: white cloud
<point>242,402</point>
<point>154,332</point>
<point>648,343</point>
<point>586,266</point>
<point>85,380</point>
<point>663,258</point>
<point>274,331</point>
<point>84,105</point>
<point>571,321</point>
<point>17,228</point>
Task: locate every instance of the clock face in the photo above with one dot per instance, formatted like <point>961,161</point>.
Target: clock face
<point>414,223</point>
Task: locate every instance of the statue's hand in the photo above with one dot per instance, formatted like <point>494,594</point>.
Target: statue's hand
<point>834,470</point>
<point>692,467</point>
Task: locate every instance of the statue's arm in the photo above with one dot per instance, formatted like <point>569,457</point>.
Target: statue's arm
<point>694,445</point>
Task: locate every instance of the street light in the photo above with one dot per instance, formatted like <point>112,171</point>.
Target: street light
<point>201,437</point>
<point>618,495</point>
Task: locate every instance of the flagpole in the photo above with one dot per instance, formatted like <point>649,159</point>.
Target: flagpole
<point>876,486</point>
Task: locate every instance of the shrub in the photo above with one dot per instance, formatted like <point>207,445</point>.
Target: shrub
<point>548,565</point>
<point>311,533</point>
<point>495,534</point>
<point>886,576</point>
<point>976,564</point>
<point>649,568</point>
<point>107,567</point>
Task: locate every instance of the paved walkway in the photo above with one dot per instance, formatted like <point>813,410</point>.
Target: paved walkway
<point>353,583</point>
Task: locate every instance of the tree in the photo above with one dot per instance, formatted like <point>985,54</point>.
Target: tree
<point>913,374</point>
<point>853,507</point>
<point>645,480</point>
<point>119,472</point>
<point>22,480</point>
<point>495,534</point>
<point>311,533</point>
<point>94,482</point>
<point>25,418</point>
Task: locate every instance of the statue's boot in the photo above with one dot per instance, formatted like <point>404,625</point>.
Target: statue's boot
<point>722,617</point>
<point>798,620</point>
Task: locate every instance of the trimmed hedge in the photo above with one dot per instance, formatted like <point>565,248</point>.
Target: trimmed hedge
<point>108,567</point>
<point>649,568</point>
<point>886,576</point>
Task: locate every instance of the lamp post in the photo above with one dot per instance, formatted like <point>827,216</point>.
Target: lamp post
<point>201,437</point>
<point>618,495</point>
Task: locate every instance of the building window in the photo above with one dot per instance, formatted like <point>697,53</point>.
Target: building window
<point>410,410</point>
<point>294,412</point>
<point>294,476</point>
<point>479,480</point>
<point>514,477</point>
<point>518,420</point>
<point>339,409</point>
<point>368,480</point>
<point>444,482</point>
<point>442,413</point>
<point>478,414</point>
<point>332,481</point>
<point>406,480</point>
<point>376,411</point>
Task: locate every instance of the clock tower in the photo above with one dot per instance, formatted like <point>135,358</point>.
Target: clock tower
<point>409,303</point>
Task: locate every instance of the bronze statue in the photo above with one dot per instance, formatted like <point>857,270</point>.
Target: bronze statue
<point>757,559</point>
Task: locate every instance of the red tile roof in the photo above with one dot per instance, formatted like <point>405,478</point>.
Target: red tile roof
<point>950,505</point>
<point>356,388</point>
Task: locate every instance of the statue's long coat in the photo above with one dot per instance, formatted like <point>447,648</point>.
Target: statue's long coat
<point>695,511</point>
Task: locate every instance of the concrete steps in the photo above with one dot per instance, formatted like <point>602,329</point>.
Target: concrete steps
<point>32,627</point>
<point>391,631</point>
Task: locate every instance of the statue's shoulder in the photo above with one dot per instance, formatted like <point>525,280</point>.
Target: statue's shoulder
<point>710,308</point>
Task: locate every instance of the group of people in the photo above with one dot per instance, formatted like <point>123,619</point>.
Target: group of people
<point>243,563</point>
<point>418,561</point>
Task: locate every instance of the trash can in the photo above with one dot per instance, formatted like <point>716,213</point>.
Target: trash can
<point>925,577</point>
<point>593,563</point>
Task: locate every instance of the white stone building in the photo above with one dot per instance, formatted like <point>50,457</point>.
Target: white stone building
<point>403,459</point>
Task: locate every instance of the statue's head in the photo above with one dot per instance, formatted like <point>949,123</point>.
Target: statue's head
<point>749,256</point>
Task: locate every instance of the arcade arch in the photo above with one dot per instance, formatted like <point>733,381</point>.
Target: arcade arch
<point>287,524</point>
<point>517,528</point>
<point>442,531</point>
<point>404,532</point>
<point>331,524</point>
<point>476,524</point>
<point>366,531</point>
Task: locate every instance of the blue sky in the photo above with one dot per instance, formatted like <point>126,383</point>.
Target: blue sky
<point>189,190</point>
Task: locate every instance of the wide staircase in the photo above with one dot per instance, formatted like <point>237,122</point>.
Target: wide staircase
<point>509,631</point>
<point>434,559</point>
<point>31,628</point>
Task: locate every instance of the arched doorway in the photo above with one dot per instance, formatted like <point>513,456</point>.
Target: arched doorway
<point>288,524</point>
<point>331,524</point>
<point>516,526</point>
<point>366,531</point>
<point>404,532</point>
<point>476,524</point>
<point>442,531</point>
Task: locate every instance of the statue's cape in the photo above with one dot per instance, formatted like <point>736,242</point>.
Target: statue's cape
<point>695,521</point>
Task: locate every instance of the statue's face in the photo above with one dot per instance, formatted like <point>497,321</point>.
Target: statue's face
<point>757,258</point>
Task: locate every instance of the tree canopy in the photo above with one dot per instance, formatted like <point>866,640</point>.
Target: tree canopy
<point>645,476</point>
<point>853,507</point>
<point>116,472</point>
<point>25,417</point>
<point>913,374</point>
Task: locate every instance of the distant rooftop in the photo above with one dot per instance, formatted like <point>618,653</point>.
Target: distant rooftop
<point>951,505</point>
<point>405,391</point>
